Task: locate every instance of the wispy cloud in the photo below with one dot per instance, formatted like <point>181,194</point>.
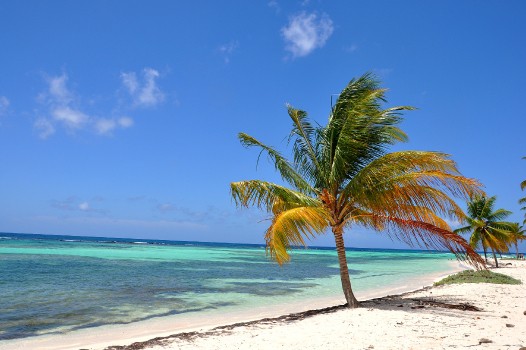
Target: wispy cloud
<point>65,110</point>
<point>273,4</point>
<point>105,126</point>
<point>73,203</point>
<point>44,128</point>
<point>306,32</point>
<point>352,48</point>
<point>144,92</point>
<point>69,117</point>
<point>166,207</point>
<point>58,89</point>
<point>228,49</point>
<point>4,105</point>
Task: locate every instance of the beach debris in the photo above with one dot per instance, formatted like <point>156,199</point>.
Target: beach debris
<point>401,305</point>
<point>509,325</point>
<point>524,313</point>
<point>504,316</point>
<point>485,341</point>
<point>428,302</point>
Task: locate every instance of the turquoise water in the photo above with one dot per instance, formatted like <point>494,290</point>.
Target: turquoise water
<point>61,283</point>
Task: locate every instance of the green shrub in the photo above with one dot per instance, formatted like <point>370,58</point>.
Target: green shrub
<point>483,276</point>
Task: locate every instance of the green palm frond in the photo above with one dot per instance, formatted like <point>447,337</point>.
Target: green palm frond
<point>264,195</point>
<point>487,225</point>
<point>359,130</point>
<point>286,170</point>
<point>304,153</point>
<point>498,214</point>
<point>518,233</point>
<point>462,230</point>
<point>475,239</point>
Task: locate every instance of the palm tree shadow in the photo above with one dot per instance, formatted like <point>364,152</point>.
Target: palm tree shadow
<point>443,304</point>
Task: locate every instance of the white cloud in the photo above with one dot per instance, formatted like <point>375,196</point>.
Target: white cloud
<point>58,89</point>
<point>64,109</point>
<point>351,48</point>
<point>84,206</point>
<point>147,93</point>
<point>227,50</point>
<point>129,80</point>
<point>74,204</point>
<point>71,118</point>
<point>166,207</point>
<point>105,126</point>
<point>306,32</point>
<point>125,122</point>
<point>274,5</point>
<point>4,104</point>
<point>44,127</point>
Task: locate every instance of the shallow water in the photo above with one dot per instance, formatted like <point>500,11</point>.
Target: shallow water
<point>58,283</point>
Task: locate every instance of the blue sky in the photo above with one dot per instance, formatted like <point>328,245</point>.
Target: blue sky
<point>120,118</point>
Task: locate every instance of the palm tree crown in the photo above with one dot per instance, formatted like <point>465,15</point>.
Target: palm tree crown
<point>342,176</point>
<point>518,233</point>
<point>487,226</point>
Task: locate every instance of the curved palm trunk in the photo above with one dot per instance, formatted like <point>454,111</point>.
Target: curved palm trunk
<point>517,249</point>
<point>485,255</point>
<point>495,257</point>
<point>352,302</point>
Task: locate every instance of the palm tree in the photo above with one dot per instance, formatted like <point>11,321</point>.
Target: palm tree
<point>341,176</point>
<point>518,233</point>
<point>487,226</point>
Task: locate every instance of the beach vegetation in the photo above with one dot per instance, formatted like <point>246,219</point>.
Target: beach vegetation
<point>518,233</point>
<point>481,276</point>
<point>487,226</point>
<point>341,176</point>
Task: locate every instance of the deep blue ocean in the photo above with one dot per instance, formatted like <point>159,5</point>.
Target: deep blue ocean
<point>52,284</point>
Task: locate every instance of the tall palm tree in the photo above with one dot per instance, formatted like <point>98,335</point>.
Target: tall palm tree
<point>518,233</point>
<point>487,226</point>
<point>342,176</point>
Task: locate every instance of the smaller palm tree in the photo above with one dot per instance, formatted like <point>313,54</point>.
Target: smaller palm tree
<point>518,233</point>
<point>487,226</point>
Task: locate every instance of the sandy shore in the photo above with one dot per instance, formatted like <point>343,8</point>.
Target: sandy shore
<point>423,319</point>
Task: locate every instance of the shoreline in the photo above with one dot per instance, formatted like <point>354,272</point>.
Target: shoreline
<point>165,328</point>
<point>459,316</point>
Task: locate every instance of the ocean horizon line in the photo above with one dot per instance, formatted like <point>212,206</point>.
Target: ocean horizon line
<point>154,241</point>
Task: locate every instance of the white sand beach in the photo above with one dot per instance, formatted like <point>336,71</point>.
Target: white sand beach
<point>424,319</point>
